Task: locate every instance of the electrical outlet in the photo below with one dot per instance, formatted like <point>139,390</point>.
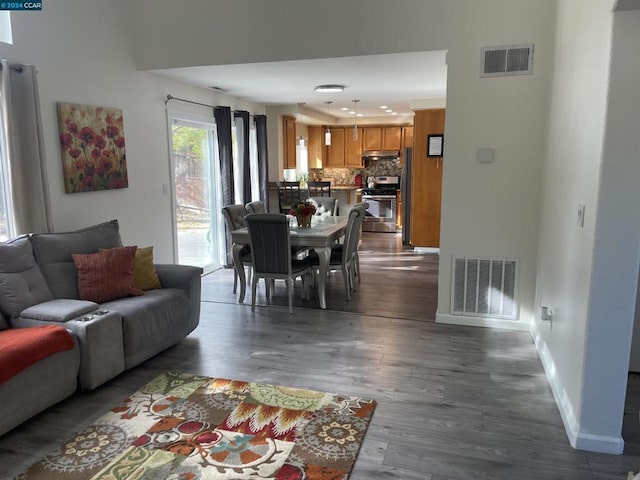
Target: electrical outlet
<point>546,315</point>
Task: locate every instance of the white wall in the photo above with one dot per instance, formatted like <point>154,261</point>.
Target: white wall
<point>247,31</point>
<point>488,210</point>
<point>491,209</point>
<point>588,275</point>
<point>84,54</point>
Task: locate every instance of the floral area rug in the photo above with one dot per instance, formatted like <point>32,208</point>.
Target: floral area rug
<point>188,427</point>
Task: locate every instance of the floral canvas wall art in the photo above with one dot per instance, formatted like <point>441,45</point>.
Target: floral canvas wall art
<point>93,148</point>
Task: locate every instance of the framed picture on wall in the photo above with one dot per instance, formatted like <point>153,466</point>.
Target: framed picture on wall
<point>435,145</point>
<point>93,148</point>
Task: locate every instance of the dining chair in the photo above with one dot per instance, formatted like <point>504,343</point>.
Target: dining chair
<point>325,205</point>
<point>319,188</point>
<point>288,194</point>
<point>362,206</point>
<point>234,216</point>
<point>344,256</point>
<point>270,242</point>
<point>257,206</point>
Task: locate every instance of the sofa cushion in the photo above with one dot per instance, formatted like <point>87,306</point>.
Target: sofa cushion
<point>21,281</point>
<point>53,253</point>
<point>22,347</point>
<point>145,276</point>
<point>151,323</point>
<point>106,275</point>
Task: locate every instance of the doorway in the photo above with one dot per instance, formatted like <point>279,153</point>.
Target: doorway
<point>196,213</point>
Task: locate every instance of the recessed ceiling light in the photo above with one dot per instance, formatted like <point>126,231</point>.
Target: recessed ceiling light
<point>344,109</point>
<point>383,107</point>
<point>329,88</point>
<point>394,113</point>
<point>388,110</point>
<point>352,112</point>
<point>360,115</point>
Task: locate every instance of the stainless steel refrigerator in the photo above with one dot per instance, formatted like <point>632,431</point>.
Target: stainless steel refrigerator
<point>405,193</point>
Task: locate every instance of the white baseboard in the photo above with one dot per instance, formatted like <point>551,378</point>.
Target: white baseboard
<point>426,250</point>
<point>578,439</point>
<point>482,322</point>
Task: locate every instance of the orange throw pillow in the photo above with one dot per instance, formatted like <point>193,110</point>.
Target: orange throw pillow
<point>107,275</point>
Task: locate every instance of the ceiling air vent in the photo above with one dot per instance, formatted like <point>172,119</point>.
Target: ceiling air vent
<point>506,60</point>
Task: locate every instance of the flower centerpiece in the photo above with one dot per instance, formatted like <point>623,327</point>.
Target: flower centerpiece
<point>303,211</point>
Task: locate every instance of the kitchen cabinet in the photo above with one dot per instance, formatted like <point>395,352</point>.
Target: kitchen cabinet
<point>407,137</point>
<point>289,141</point>
<point>344,151</point>
<point>392,138</point>
<point>316,149</point>
<point>372,138</point>
<point>336,151</point>
<point>426,181</point>
<point>382,138</point>
<point>353,148</point>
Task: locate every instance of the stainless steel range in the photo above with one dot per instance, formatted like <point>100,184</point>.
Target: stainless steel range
<point>381,197</point>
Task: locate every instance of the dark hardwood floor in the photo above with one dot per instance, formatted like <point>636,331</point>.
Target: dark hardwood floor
<point>454,403</point>
<point>397,283</point>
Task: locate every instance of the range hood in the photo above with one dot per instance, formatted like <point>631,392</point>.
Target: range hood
<point>380,154</point>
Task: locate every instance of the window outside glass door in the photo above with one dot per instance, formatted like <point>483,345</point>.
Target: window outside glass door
<point>194,178</point>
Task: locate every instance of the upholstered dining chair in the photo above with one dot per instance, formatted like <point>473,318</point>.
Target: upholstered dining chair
<point>288,194</point>
<point>257,206</point>
<point>344,256</point>
<point>270,242</point>
<point>234,216</point>
<point>319,188</point>
<point>325,205</point>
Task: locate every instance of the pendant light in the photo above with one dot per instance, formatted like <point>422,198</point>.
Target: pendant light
<point>355,119</point>
<point>327,134</point>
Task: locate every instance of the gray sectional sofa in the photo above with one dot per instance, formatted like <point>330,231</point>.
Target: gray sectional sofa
<point>39,286</point>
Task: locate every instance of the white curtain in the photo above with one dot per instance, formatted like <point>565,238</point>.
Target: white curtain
<point>22,150</point>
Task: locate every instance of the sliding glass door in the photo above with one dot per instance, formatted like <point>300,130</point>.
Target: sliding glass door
<point>196,207</point>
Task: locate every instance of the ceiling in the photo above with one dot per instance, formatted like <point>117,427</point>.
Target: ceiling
<point>397,81</point>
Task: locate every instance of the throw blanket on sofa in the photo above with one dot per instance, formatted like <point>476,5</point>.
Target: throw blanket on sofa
<point>22,347</point>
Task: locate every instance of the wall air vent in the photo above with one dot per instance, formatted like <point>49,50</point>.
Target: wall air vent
<point>485,287</point>
<point>506,60</point>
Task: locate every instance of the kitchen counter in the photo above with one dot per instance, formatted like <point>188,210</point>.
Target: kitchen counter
<point>347,189</point>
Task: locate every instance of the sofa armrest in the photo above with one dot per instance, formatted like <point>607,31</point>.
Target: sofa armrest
<point>187,278</point>
<point>177,276</point>
<point>59,310</point>
<point>101,343</point>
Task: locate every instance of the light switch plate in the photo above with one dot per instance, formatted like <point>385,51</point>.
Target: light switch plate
<point>580,215</point>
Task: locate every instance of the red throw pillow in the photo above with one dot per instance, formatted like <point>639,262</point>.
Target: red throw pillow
<point>107,275</point>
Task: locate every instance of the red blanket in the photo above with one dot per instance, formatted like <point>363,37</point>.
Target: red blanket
<point>22,347</point>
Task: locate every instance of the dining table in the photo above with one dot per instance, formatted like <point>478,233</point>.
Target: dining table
<point>325,230</point>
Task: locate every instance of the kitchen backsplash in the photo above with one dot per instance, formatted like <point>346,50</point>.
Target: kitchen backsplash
<point>375,168</point>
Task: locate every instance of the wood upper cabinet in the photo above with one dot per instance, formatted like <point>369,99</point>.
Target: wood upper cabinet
<point>353,148</point>
<point>382,138</point>
<point>289,129</point>
<point>407,137</point>
<point>392,138</point>
<point>372,138</point>
<point>317,152</point>
<point>336,151</point>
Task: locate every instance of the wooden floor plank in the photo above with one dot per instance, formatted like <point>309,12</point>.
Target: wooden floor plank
<point>454,402</point>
